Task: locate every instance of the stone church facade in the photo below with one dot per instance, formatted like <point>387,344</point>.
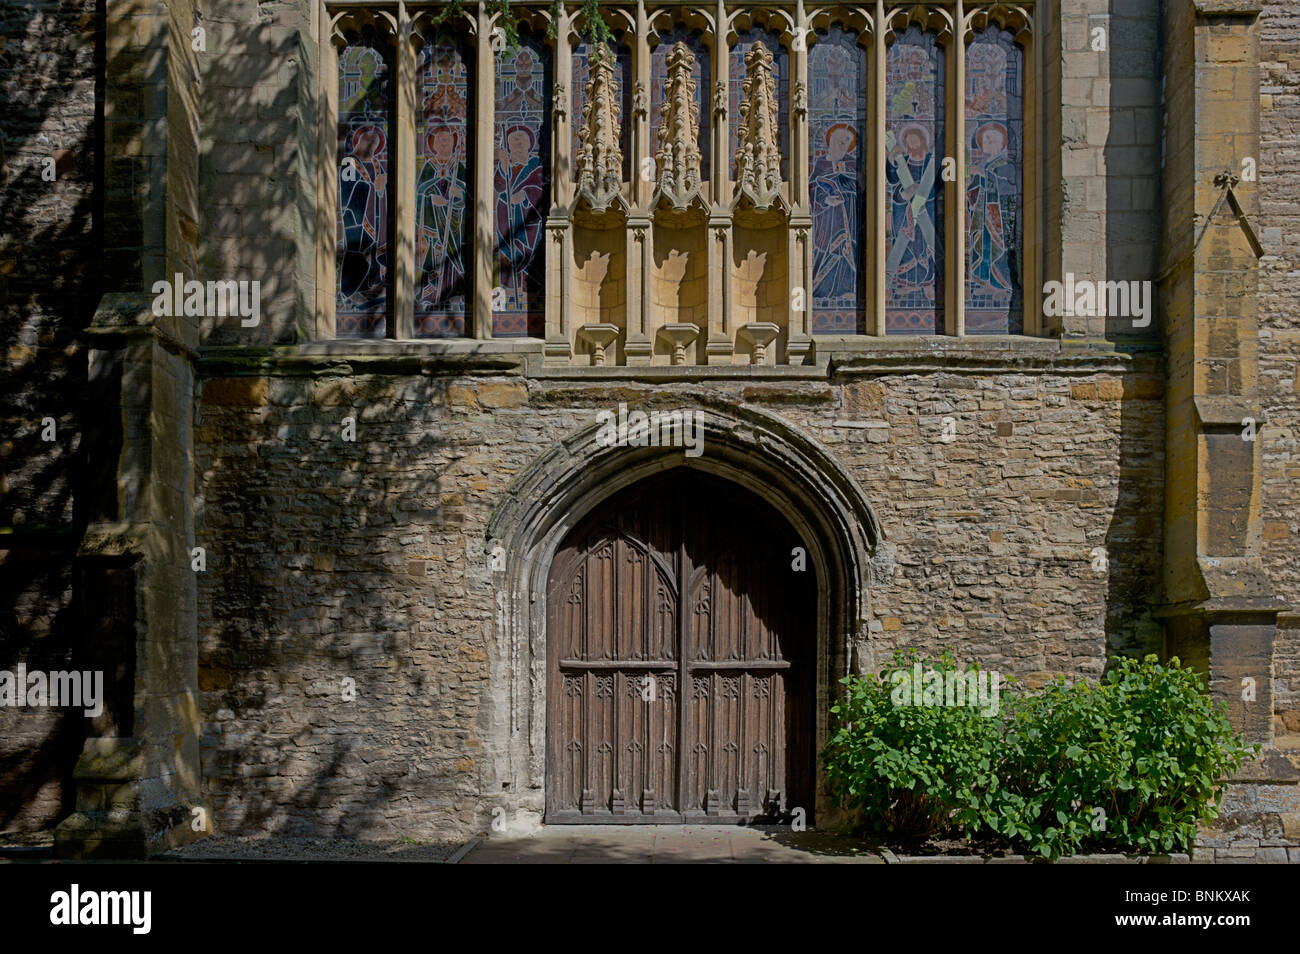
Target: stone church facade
<point>985,316</point>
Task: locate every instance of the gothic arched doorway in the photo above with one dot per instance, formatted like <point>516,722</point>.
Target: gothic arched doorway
<point>681,661</point>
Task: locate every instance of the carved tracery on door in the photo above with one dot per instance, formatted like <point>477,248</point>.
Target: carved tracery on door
<point>681,641</point>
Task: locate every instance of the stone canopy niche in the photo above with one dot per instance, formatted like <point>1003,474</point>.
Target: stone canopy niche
<point>677,191</point>
<point>678,284</point>
<point>680,237</point>
<point>761,215</point>
<point>599,287</point>
<point>758,159</point>
<point>600,158</point>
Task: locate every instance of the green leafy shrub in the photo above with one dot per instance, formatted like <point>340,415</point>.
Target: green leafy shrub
<point>911,770</point>
<point>1130,764</point>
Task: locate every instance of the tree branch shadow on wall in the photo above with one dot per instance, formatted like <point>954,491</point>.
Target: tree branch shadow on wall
<point>315,573</point>
<point>311,585</point>
<point>52,67</point>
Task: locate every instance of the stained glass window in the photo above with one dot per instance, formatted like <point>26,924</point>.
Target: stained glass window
<point>914,144</point>
<point>700,74</point>
<point>844,183</point>
<point>837,123</point>
<point>623,87</point>
<point>522,164</point>
<point>443,204</point>
<point>364,126</point>
<point>994,154</point>
<point>780,78</point>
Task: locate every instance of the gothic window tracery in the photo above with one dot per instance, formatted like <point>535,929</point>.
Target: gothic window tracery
<point>448,227</point>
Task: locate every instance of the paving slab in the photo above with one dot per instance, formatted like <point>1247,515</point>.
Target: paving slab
<point>670,844</point>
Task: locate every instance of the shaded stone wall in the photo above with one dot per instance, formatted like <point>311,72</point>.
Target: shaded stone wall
<point>50,55</point>
<point>256,188</point>
<point>333,560</point>
<point>140,763</point>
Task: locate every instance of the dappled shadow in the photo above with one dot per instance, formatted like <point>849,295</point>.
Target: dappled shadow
<point>674,844</point>
<point>312,662</point>
<point>829,843</point>
<point>51,81</point>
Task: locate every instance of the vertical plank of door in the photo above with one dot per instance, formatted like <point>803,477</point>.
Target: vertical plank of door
<point>685,733</point>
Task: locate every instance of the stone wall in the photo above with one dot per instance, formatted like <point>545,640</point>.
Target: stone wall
<point>1109,155</point>
<point>49,273</point>
<point>38,746</point>
<point>1259,822</point>
<point>1279,341</point>
<point>256,194</point>
<point>333,560</point>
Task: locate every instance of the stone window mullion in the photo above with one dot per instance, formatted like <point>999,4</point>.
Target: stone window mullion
<point>875,263</point>
<point>558,234</point>
<point>562,160</point>
<point>403,194</point>
<point>327,182</point>
<point>799,244</point>
<point>484,187</point>
<point>1032,234</point>
<point>955,316</point>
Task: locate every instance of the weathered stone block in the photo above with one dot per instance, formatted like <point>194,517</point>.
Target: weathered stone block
<point>502,394</point>
<point>236,392</point>
<point>1110,390</point>
<point>1291,825</point>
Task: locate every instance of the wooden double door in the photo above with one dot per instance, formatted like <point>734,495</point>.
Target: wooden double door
<point>681,633</point>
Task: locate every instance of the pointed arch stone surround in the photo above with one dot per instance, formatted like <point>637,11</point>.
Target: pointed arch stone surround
<point>754,449</point>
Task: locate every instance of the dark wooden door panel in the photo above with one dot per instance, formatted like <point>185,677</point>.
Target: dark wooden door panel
<point>616,742</point>
<point>738,743</point>
<point>672,709</point>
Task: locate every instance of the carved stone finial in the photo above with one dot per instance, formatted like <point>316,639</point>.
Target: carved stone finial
<point>758,160</point>
<point>600,158</point>
<point>679,131</point>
